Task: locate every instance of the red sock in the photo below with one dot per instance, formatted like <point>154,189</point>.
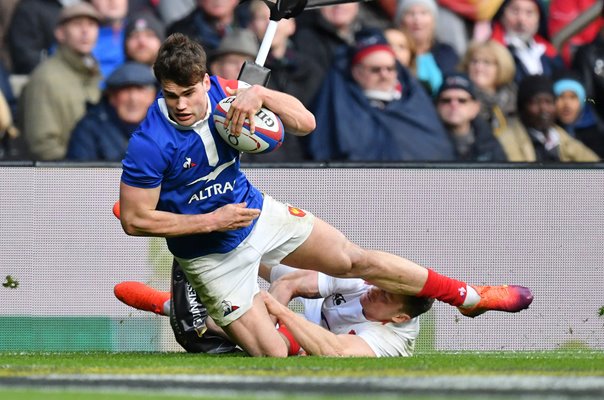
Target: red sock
<point>294,347</point>
<point>443,288</point>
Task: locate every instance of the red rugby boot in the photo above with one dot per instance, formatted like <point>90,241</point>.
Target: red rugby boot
<point>141,296</point>
<point>508,298</point>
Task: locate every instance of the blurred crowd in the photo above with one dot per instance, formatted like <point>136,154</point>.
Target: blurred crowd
<point>387,80</point>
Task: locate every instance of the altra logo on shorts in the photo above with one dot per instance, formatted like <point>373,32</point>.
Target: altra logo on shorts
<point>188,163</point>
<point>296,212</point>
<point>228,308</point>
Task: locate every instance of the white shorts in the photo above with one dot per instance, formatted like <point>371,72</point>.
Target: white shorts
<point>227,283</point>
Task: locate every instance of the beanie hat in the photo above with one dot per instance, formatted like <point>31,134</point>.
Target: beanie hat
<point>570,85</point>
<point>368,41</point>
<point>144,21</point>
<point>531,86</point>
<point>405,5</point>
<point>457,81</point>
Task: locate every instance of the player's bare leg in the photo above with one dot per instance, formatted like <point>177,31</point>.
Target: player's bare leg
<point>329,251</point>
<point>255,332</point>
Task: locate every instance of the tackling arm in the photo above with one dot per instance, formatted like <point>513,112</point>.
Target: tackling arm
<point>314,339</point>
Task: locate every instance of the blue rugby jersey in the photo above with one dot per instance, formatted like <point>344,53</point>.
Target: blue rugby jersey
<point>198,172</point>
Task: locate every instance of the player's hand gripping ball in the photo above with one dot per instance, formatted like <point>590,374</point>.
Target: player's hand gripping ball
<point>268,134</point>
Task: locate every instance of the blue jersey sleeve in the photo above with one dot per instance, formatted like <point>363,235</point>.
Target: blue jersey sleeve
<point>144,163</point>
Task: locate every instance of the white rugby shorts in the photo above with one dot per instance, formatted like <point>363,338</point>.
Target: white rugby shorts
<point>227,283</point>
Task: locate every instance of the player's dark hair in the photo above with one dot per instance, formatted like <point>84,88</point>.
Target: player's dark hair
<point>414,306</point>
<point>181,60</point>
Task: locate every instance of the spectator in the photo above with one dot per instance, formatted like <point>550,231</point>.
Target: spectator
<point>290,71</point>
<point>322,31</point>
<point>31,33</point>
<point>536,137</point>
<point>372,109</point>
<point>403,46</point>
<point>576,116</point>
<point>7,9</point>
<point>561,14</point>
<point>12,146</point>
<point>516,25</point>
<point>589,64</point>
<point>491,68</point>
<point>211,20</point>
<point>103,133</point>
<point>109,50</point>
<point>236,47</point>
<point>143,36</point>
<point>472,19</point>
<point>458,109</point>
<point>434,59</point>
<point>55,96</point>
<point>174,10</point>
<point>8,132</point>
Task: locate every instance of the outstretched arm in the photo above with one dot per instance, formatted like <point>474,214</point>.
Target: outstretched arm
<point>314,339</point>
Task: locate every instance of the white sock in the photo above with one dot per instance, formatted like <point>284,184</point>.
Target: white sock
<point>166,310</point>
<point>472,297</point>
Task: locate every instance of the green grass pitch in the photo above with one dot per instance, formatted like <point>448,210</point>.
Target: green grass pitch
<point>577,363</point>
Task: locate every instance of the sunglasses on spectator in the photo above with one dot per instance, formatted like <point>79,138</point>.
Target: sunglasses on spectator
<point>449,100</point>
<point>376,69</point>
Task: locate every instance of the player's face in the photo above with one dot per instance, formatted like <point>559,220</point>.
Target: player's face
<point>568,107</point>
<point>379,305</point>
<point>187,104</point>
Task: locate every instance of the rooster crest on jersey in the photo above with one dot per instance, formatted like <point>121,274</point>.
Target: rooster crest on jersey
<point>268,134</point>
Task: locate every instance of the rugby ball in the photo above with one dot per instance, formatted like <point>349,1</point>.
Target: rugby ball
<point>268,135</point>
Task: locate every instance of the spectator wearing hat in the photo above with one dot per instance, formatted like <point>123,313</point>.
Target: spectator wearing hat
<point>458,109</point>
<point>520,26</point>
<point>211,20</point>
<point>144,35</point>
<point>371,108</point>
<point>104,131</point>
<point>576,116</point>
<point>434,59</point>
<point>536,137</point>
<point>235,48</point>
<point>55,96</point>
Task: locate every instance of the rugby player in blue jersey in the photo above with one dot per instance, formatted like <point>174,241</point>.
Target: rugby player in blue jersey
<point>181,181</point>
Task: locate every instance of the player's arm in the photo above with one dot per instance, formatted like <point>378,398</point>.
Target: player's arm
<point>314,339</point>
<point>296,119</point>
<point>140,218</point>
<point>299,283</point>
